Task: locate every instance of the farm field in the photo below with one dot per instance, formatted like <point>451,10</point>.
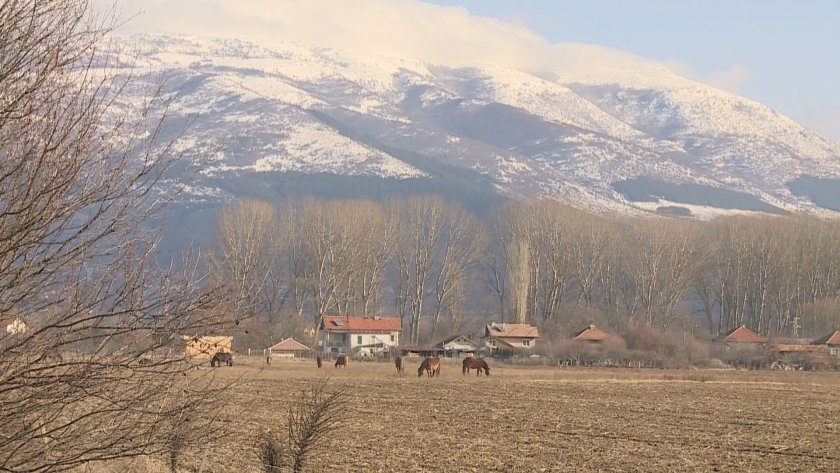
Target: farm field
<point>543,419</point>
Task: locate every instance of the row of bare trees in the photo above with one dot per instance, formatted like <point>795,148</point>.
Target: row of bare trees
<point>322,257</point>
<point>429,260</point>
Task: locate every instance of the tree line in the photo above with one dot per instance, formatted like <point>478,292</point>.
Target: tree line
<point>439,267</point>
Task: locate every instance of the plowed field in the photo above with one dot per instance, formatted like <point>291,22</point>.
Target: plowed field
<point>545,419</point>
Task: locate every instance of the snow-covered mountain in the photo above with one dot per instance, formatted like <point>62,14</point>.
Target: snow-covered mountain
<point>270,121</point>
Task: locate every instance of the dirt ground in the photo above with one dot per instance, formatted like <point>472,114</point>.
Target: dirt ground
<point>543,419</point>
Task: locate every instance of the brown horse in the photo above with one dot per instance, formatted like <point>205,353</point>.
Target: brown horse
<point>399,364</point>
<point>431,366</point>
<point>342,361</point>
<point>477,364</point>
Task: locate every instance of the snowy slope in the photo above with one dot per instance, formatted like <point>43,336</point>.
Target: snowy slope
<point>587,137</point>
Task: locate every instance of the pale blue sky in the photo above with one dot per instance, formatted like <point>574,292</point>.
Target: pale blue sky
<point>783,53</point>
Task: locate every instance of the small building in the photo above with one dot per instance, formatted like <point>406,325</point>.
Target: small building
<point>288,348</point>
<point>421,351</point>
<point>364,336</point>
<point>592,335</point>
<point>831,341</point>
<point>13,326</point>
<point>742,337</point>
<point>457,345</point>
<point>201,346</point>
<point>504,336</point>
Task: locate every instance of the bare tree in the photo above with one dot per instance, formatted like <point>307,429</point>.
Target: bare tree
<point>94,375</point>
<point>249,251</point>
<point>420,223</point>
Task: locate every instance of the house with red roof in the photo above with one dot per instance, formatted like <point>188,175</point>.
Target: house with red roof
<point>288,348</point>
<point>365,336</point>
<point>592,335</point>
<point>743,337</point>
<point>505,336</point>
<point>831,341</point>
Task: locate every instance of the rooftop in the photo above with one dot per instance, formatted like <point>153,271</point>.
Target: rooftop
<point>743,335</point>
<point>511,330</point>
<point>289,344</point>
<point>592,334</point>
<point>361,324</point>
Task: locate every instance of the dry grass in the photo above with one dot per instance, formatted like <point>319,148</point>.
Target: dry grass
<point>543,419</point>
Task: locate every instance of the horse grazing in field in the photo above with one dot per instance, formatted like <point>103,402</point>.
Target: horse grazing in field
<point>399,364</point>
<point>431,366</point>
<point>342,361</point>
<point>53,356</point>
<point>221,357</point>
<point>477,364</point>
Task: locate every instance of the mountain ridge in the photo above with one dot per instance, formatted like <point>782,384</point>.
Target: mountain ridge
<point>553,134</point>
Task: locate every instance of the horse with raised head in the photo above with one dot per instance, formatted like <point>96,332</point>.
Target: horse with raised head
<point>398,362</point>
<point>477,364</point>
<point>342,361</point>
<point>221,357</point>
<point>431,366</point>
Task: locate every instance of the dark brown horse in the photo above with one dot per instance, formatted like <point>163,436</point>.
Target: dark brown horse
<point>221,357</point>
<point>477,364</point>
<point>431,366</point>
<point>399,364</point>
<point>342,361</point>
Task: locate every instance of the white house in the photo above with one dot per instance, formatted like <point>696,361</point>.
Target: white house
<point>458,345</point>
<point>364,336</point>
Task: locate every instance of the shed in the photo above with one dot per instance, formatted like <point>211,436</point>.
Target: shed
<point>288,348</point>
<point>201,346</point>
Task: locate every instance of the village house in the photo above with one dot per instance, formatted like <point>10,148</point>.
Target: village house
<point>13,326</point>
<point>592,335</point>
<point>288,348</point>
<point>742,337</point>
<point>457,345</point>
<point>831,341</point>
<point>363,336</point>
<point>504,336</point>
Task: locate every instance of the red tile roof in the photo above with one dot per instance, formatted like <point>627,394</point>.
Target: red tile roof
<point>502,330</point>
<point>832,338</point>
<point>782,348</point>
<point>743,335</point>
<point>592,334</point>
<point>361,324</point>
<point>289,344</point>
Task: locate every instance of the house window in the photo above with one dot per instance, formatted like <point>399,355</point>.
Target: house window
<point>359,340</point>
<point>835,351</point>
<point>526,343</point>
<point>392,338</point>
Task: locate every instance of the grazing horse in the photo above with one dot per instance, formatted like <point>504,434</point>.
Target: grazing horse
<point>399,364</point>
<point>342,360</point>
<point>477,364</point>
<point>53,356</point>
<point>221,357</point>
<point>431,366</point>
